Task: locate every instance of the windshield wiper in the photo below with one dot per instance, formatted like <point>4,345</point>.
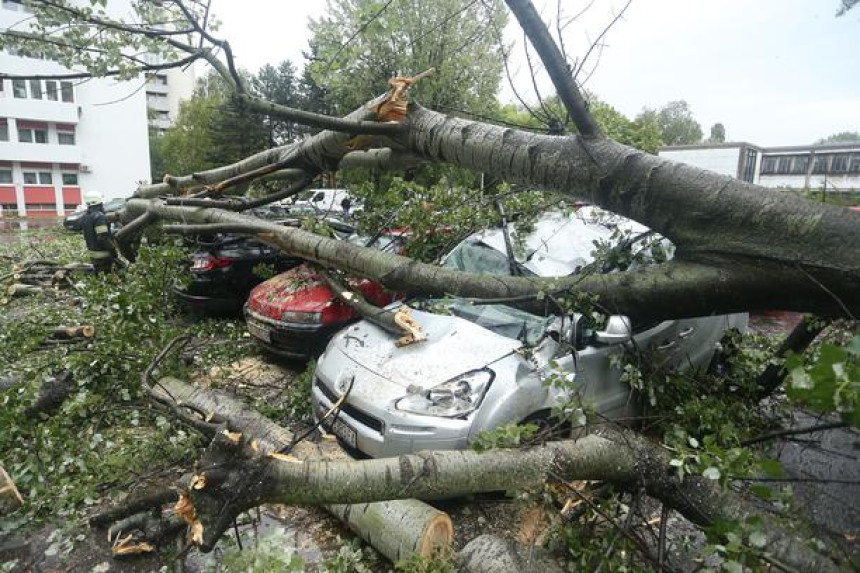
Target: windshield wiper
<point>509,249</point>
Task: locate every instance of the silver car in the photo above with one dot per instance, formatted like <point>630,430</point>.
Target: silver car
<point>483,366</point>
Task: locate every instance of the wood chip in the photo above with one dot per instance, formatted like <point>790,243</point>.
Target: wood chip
<point>285,458</point>
<point>234,437</point>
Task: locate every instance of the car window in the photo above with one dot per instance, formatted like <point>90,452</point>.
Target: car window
<point>502,319</point>
<point>476,257</point>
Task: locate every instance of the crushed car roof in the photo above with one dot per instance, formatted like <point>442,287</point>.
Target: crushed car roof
<point>560,243</point>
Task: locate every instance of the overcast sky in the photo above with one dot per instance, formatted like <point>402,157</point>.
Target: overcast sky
<point>775,72</point>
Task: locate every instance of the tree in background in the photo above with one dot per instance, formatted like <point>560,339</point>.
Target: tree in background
<point>360,44</point>
<point>282,86</point>
<point>211,129</point>
<point>841,137</point>
<point>641,133</point>
<point>675,121</point>
<point>187,144</point>
<point>718,133</point>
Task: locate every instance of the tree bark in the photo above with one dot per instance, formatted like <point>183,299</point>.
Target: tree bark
<point>397,529</point>
<point>238,478</point>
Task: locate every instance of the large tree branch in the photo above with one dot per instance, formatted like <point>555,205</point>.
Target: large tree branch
<point>671,290</point>
<point>238,478</point>
<point>556,66</point>
<point>705,214</point>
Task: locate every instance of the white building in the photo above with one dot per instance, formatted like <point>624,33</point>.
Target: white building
<point>165,90</point>
<point>62,138</point>
<point>834,167</point>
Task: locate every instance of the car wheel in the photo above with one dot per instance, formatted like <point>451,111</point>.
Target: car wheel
<point>548,427</point>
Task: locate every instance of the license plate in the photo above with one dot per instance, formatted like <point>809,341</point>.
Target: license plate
<point>260,331</point>
<point>198,265</point>
<point>340,429</point>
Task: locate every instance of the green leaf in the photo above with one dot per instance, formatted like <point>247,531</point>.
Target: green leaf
<point>758,539</point>
<point>712,473</point>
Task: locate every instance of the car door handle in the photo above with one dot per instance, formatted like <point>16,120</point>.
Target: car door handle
<point>686,332</point>
<point>666,345</point>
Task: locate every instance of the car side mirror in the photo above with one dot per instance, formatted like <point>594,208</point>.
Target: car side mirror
<point>618,330</point>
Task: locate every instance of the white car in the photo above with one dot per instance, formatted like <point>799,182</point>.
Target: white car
<point>483,366</point>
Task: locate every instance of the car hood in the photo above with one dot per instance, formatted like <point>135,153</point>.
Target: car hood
<point>297,290</point>
<point>453,346</point>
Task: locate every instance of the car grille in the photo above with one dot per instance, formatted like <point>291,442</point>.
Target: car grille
<point>350,410</point>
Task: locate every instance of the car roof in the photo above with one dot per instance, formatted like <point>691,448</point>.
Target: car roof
<point>559,243</point>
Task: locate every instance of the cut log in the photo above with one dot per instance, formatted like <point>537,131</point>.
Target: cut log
<point>69,332</point>
<point>19,289</point>
<point>489,553</point>
<point>10,497</point>
<point>397,529</point>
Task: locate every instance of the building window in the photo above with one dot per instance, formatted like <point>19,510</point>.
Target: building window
<point>45,178</point>
<point>749,165</point>
<point>799,164</point>
<point>70,179</point>
<point>165,115</point>
<point>31,178</point>
<point>66,91</point>
<point>855,164</point>
<point>19,89</point>
<point>839,164</point>
<point>4,130</point>
<point>822,163</point>
<point>783,166</point>
<point>2,89</point>
<point>51,90</point>
<point>66,137</point>
<point>18,5</point>
<point>768,165</point>
<point>5,176</point>
<point>161,79</point>
<point>36,89</point>
<point>29,135</point>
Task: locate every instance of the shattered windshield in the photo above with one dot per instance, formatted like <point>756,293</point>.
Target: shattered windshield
<point>501,319</point>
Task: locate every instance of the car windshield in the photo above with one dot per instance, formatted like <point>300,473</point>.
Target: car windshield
<point>389,243</point>
<point>501,319</point>
<point>476,257</point>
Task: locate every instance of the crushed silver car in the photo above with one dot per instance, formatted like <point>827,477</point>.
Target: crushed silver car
<point>483,366</point>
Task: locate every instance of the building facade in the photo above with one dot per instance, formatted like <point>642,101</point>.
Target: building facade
<point>833,167</point>
<point>165,90</point>
<point>60,139</point>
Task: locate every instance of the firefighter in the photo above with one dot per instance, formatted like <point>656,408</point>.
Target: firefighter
<point>97,234</point>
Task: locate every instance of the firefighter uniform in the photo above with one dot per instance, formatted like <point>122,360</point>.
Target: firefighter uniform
<point>98,238</point>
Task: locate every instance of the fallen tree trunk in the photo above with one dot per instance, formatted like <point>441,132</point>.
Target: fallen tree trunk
<point>397,529</point>
<point>236,477</point>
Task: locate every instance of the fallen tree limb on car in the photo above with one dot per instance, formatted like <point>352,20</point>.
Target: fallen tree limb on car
<point>397,529</point>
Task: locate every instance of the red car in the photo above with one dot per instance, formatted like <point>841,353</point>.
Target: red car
<point>295,313</point>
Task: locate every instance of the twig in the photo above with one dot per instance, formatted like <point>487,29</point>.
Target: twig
<point>793,432</point>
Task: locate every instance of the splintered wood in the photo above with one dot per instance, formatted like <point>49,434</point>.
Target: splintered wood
<point>414,332</point>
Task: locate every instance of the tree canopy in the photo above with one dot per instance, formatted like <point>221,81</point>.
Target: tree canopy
<point>675,121</point>
<point>359,44</point>
<point>841,137</point>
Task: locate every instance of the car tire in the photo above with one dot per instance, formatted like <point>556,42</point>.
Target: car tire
<point>549,427</point>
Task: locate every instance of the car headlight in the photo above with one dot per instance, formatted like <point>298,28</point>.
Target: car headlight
<point>458,396</point>
<point>301,317</point>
